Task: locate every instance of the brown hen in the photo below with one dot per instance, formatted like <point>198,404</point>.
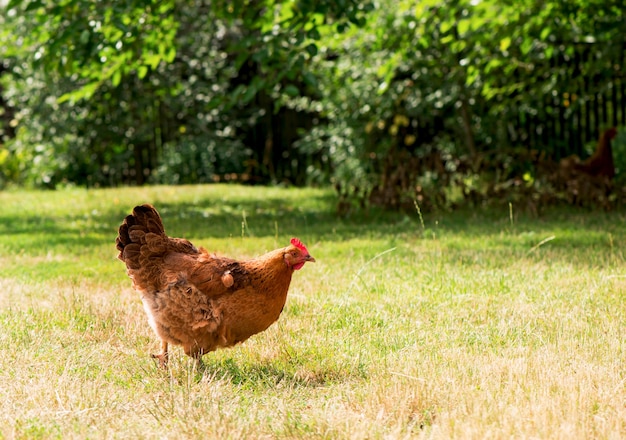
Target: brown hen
<point>197,300</point>
<point>600,163</point>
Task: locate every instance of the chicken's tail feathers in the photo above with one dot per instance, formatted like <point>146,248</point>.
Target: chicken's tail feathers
<point>148,217</point>
<point>141,227</point>
<point>142,243</point>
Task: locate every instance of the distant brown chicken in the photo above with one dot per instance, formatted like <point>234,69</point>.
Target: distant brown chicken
<point>202,301</point>
<point>599,164</point>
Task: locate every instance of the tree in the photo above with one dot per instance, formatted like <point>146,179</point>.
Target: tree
<point>428,102</point>
<point>145,90</point>
<point>436,98</point>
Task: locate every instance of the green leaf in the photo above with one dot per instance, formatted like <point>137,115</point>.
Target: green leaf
<point>309,79</point>
<point>445,26</point>
<point>313,34</point>
<point>382,88</point>
<point>116,78</point>
<point>85,92</point>
<point>311,49</point>
<point>291,90</point>
<point>84,37</point>
<point>342,27</point>
<point>250,93</point>
<point>463,26</point>
<point>170,55</point>
<point>472,75</point>
<point>31,5</point>
<point>253,88</point>
<point>13,3</point>
<point>447,39</point>
<point>493,63</point>
<point>152,60</point>
<point>526,46</point>
<point>505,43</point>
<point>142,71</point>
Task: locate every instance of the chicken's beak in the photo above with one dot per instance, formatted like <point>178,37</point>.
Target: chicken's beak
<point>309,258</point>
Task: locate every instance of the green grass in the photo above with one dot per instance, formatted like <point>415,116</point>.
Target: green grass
<point>472,325</point>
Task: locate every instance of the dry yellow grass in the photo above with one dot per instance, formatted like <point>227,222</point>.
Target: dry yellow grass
<point>461,329</point>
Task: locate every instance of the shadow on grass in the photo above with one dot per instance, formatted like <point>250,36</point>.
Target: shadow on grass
<point>208,217</point>
<point>314,218</point>
<point>275,374</point>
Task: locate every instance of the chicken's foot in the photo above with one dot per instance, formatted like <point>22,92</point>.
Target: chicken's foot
<point>163,356</point>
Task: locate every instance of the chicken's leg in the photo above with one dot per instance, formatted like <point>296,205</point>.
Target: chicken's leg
<point>196,353</point>
<point>163,356</point>
<point>198,358</point>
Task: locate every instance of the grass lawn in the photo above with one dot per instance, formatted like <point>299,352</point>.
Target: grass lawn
<point>470,325</point>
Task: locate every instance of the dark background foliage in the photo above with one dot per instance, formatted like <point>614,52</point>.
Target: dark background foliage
<point>393,102</point>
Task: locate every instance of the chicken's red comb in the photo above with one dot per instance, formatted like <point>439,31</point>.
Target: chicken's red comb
<point>297,243</point>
